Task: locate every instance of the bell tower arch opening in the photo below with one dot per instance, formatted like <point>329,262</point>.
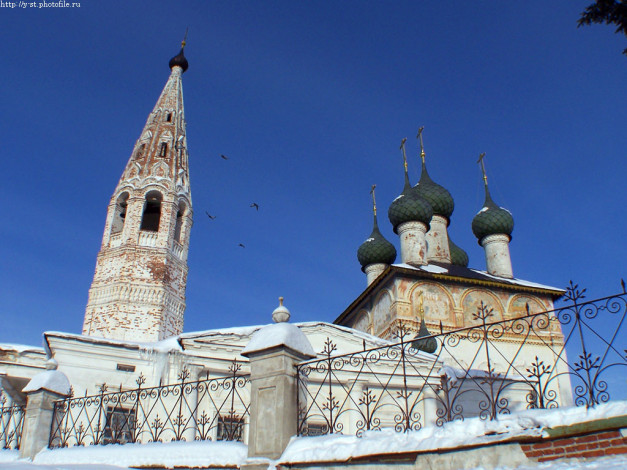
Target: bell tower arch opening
<point>152,211</point>
<point>180,214</point>
<point>119,214</point>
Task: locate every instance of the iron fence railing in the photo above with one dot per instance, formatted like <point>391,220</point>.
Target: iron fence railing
<point>210,409</point>
<point>485,370</point>
<point>11,423</point>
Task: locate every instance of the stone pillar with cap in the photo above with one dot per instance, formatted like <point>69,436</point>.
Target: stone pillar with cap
<point>41,393</point>
<point>274,351</point>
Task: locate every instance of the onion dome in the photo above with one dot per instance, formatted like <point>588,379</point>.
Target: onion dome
<point>458,256</point>
<point>492,219</point>
<point>409,207</point>
<point>376,249</point>
<point>421,342</point>
<point>179,60</point>
<point>438,196</point>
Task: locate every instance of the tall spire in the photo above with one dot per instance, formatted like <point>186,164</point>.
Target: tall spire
<point>138,291</point>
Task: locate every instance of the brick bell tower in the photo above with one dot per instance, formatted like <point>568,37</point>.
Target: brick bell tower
<point>138,291</point>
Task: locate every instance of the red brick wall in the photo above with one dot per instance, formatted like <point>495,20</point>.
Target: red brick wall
<point>588,445</point>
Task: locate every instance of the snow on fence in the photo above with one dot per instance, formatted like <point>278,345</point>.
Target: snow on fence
<point>11,423</point>
<point>484,371</point>
<point>210,409</point>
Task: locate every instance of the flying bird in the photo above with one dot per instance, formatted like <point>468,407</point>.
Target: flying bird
<point>255,205</point>
<point>210,216</point>
<point>242,245</point>
<point>224,157</point>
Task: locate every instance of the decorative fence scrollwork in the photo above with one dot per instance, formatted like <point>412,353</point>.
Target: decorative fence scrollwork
<point>11,423</point>
<point>489,369</point>
<point>210,409</point>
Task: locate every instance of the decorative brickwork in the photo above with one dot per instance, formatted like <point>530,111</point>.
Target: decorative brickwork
<point>597,444</point>
<point>138,291</point>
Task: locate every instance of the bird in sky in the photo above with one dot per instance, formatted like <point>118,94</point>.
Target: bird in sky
<point>255,205</point>
<point>242,245</point>
<point>224,157</point>
<point>210,216</point>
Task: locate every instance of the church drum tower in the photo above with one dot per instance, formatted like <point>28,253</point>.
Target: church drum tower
<point>138,291</point>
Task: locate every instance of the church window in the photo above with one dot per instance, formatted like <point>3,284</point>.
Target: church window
<point>119,215</point>
<point>168,117</point>
<point>152,212</point>
<point>163,150</point>
<point>230,428</point>
<point>179,222</point>
<point>119,425</point>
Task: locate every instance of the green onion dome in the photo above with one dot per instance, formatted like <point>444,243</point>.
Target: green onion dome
<point>376,249</point>
<point>492,219</point>
<point>421,342</point>
<point>440,199</point>
<point>458,256</point>
<point>409,207</point>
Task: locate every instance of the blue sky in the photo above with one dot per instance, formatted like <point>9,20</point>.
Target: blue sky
<point>310,101</point>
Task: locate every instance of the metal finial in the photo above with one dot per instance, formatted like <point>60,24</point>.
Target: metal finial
<point>480,161</point>
<point>422,147</point>
<point>402,147</point>
<point>374,202</point>
<point>184,38</point>
<point>280,301</point>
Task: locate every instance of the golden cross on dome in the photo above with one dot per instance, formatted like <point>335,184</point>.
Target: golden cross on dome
<point>485,177</point>
<point>374,202</point>
<point>402,147</point>
<point>422,148</point>
<point>185,38</point>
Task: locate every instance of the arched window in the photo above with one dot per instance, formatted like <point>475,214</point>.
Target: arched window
<point>119,214</point>
<point>163,150</point>
<point>179,222</point>
<point>168,117</point>
<point>152,212</point>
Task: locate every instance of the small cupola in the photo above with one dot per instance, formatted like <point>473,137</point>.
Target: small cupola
<point>493,227</point>
<point>179,60</point>
<point>376,253</point>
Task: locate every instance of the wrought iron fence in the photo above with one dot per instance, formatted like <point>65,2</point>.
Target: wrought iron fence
<point>210,409</point>
<point>11,423</point>
<point>485,370</point>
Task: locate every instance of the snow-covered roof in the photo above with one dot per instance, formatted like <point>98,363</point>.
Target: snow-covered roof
<point>21,348</point>
<point>166,345</point>
<point>476,274</point>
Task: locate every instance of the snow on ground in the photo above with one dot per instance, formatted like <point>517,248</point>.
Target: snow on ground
<point>155,454</point>
<point>340,448</point>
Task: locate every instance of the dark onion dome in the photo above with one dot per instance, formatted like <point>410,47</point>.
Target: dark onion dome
<point>376,249</point>
<point>458,256</point>
<point>492,219</point>
<point>439,198</point>
<point>179,60</point>
<point>409,207</point>
<point>421,343</point>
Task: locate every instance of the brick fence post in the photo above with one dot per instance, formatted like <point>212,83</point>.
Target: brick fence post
<point>41,393</point>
